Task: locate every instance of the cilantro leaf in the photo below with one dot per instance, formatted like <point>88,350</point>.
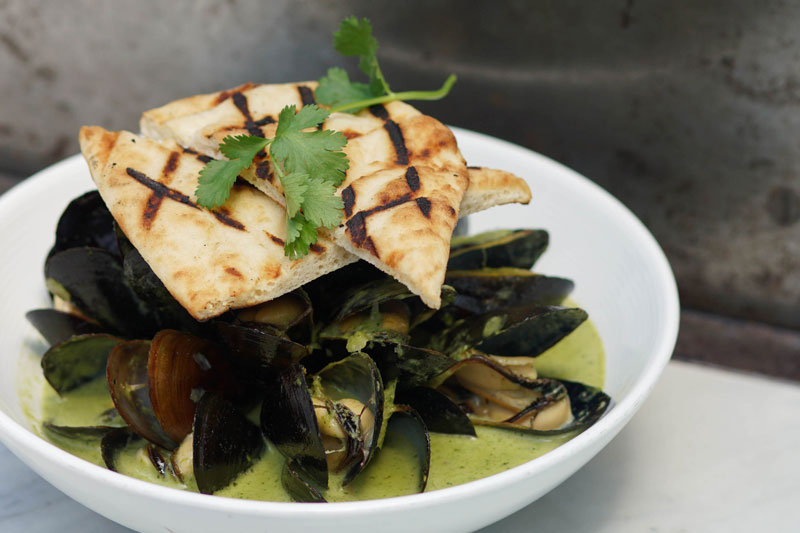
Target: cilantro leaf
<point>290,120</point>
<point>243,148</point>
<point>336,89</point>
<point>215,182</point>
<point>300,235</point>
<point>320,205</point>
<point>294,189</point>
<point>316,153</point>
<point>354,38</point>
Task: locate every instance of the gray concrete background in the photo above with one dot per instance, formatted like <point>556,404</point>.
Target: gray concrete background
<point>687,111</point>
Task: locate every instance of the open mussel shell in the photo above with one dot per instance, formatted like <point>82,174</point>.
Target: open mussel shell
<point>515,331</point>
<point>290,313</point>
<point>343,280</point>
<point>92,280</point>
<point>128,382</point>
<point>85,222</point>
<point>502,248</point>
<point>288,420</point>
<point>439,412</point>
<point>537,405</point>
<point>57,326</point>
<point>113,443</point>
<point>299,485</point>
<point>356,377</point>
<point>406,423</point>
<point>77,360</point>
<point>490,289</point>
<point>86,438</point>
<point>410,365</point>
<point>365,296</point>
<point>225,443</point>
<point>257,351</point>
<point>180,368</point>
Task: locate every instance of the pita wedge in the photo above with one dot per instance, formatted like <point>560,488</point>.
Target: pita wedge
<point>402,192</point>
<point>210,261</point>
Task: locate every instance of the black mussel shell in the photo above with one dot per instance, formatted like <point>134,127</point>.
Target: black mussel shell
<point>588,404</point>
<point>502,248</point>
<point>356,377</point>
<point>258,351</point>
<point>165,311</point>
<point>515,331</point>
<point>292,314</point>
<point>342,281</point>
<point>364,296</point>
<point>92,280</point>
<point>57,326</point>
<point>289,422</point>
<point>113,443</point>
<point>406,423</point>
<point>85,222</point>
<point>225,443</point>
<point>180,368</point>
<point>410,365</point>
<point>128,382</point>
<point>480,291</point>
<point>77,360</point>
<point>439,412</point>
<point>87,438</point>
<point>297,483</point>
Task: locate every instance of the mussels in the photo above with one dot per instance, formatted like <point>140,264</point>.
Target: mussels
<point>333,372</point>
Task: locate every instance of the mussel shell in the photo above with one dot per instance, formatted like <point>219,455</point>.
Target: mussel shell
<point>180,367</point>
<point>86,438</point>
<point>289,422</point>
<point>366,295</point>
<point>439,412</point>
<point>502,248</point>
<point>357,376</point>
<point>113,443</point>
<point>257,351</point>
<point>515,331</point>
<point>165,311</point>
<point>224,445</point>
<point>410,365</point>
<point>77,360</point>
<point>480,291</point>
<point>343,280</point>
<point>298,484</point>
<point>57,326</point>
<point>406,423</point>
<point>92,280</point>
<point>128,382</point>
<point>85,222</point>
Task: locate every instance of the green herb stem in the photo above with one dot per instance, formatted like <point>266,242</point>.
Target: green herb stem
<point>407,95</point>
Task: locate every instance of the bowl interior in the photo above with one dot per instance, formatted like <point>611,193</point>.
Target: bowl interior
<point>622,280</point>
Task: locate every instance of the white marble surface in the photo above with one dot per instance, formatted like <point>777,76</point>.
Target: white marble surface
<point>711,450</point>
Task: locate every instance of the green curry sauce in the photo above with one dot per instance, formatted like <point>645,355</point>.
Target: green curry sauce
<point>455,459</point>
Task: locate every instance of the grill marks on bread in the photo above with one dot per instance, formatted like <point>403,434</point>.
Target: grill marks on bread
<point>210,261</point>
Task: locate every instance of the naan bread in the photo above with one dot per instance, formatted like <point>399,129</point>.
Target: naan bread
<point>210,261</point>
<point>403,190</point>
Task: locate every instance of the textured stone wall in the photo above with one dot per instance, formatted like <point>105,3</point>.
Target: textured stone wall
<point>687,111</point>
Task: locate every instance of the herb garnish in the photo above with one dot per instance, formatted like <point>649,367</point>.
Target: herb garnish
<point>311,164</point>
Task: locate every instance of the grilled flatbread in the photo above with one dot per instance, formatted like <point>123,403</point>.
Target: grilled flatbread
<point>210,261</point>
<point>402,192</point>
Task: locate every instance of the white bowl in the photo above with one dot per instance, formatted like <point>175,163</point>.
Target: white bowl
<point>622,279</point>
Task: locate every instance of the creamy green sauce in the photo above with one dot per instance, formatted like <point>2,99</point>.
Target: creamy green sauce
<point>455,459</point>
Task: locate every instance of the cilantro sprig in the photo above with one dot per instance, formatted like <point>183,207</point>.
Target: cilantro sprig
<point>311,164</point>
<point>354,38</point>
